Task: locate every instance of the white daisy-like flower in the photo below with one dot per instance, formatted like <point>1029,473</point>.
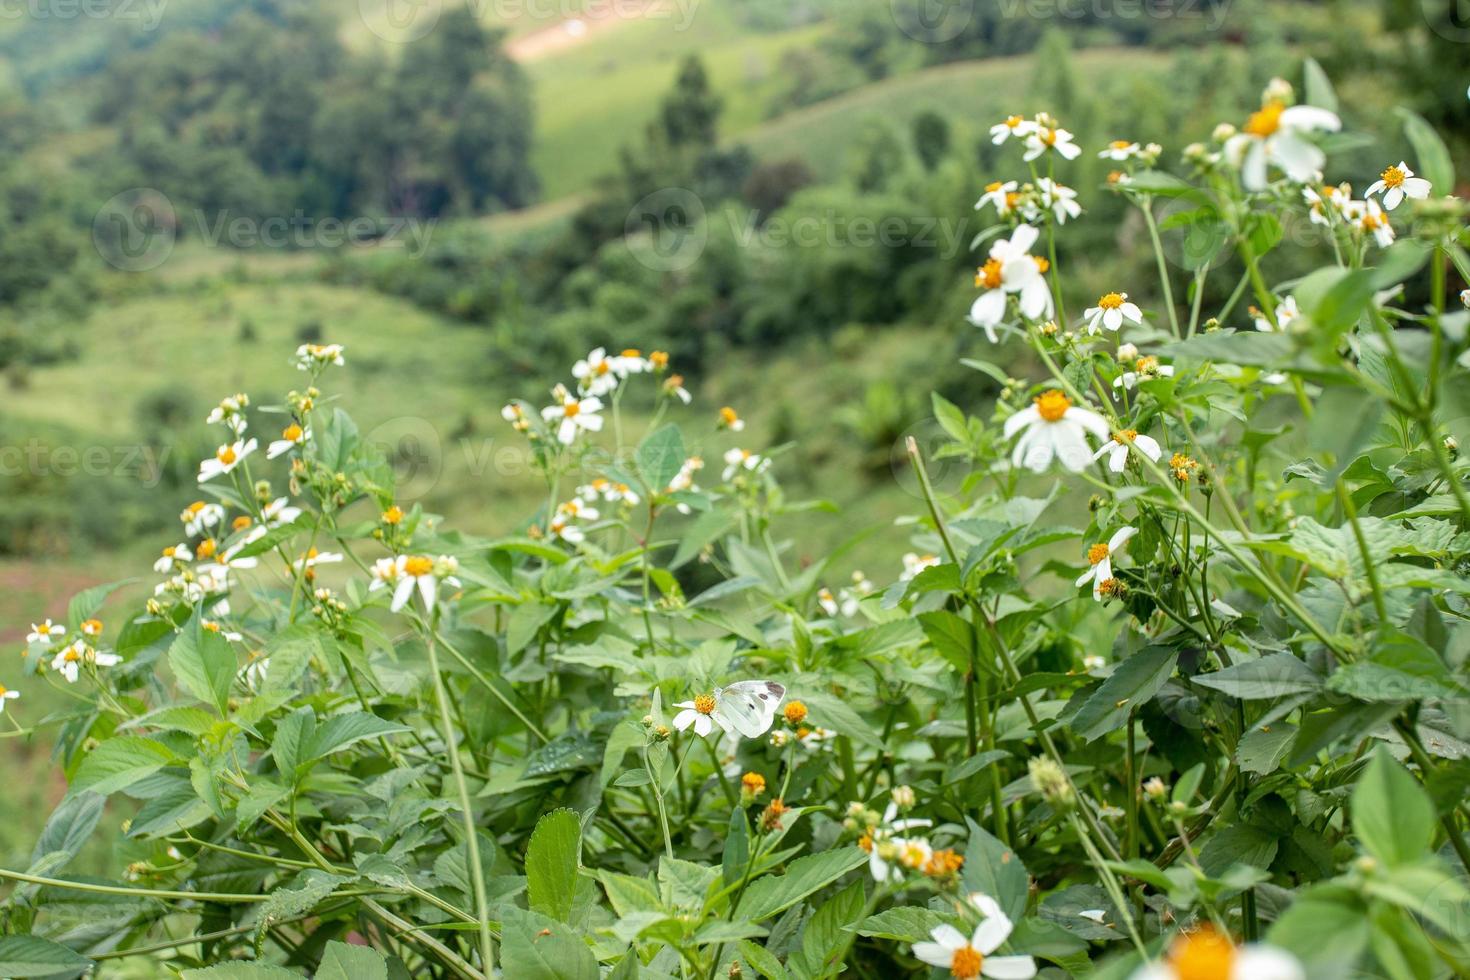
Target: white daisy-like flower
<point>1465,298</point>
<point>199,517</point>
<point>1000,195</point>
<point>914,563</point>
<point>310,356</point>
<point>173,553</point>
<point>1397,183</point>
<point>1116,448</point>
<point>1374,221</point>
<point>571,415</point>
<point>1119,150</point>
<point>230,412</point>
<point>596,373</point>
<point>313,558</point>
<point>1018,127</point>
<point>516,416</point>
<point>1011,269</point>
<point>225,459</point>
<point>631,361</point>
<point>730,419</point>
<point>563,529</point>
<point>279,512</point>
<point>673,386</point>
<point>292,436</point>
<point>1054,429</point>
<point>698,714</point>
<point>1276,135</point>
<point>844,603</point>
<point>968,958</point>
<point>1100,557</point>
<point>1286,311</point>
<point>1050,138</point>
<point>737,460</point>
<point>69,659</point>
<point>1111,312</point>
<point>228,561</point>
<point>45,632</point>
<point>416,572</point>
<point>1206,953</point>
<point>1145,368</point>
<point>1059,199</point>
<point>1328,203</point>
<point>6,694</point>
<point>215,627</point>
<point>578,509</point>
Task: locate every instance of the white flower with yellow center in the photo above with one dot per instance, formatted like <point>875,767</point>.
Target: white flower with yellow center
<point>1054,429</point>
<point>563,529</point>
<point>730,419</point>
<point>313,558</point>
<point>199,517</point>
<point>1327,203</point>
<point>1119,151</point>
<point>596,374</point>
<point>1011,269</point>
<point>516,416</point>
<point>292,437</point>
<point>279,512</point>
<point>230,412</point>
<point>312,356</point>
<point>631,361</point>
<point>1100,558</point>
<point>225,459</point>
<point>1000,195</point>
<point>578,509</point>
<point>179,553</point>
<point>673,386</point>
<point>1044,139</point>
<point>227,561</point>
<point>419,572</point>
<point>1397,183</point>
<point>1111,312</point>
<point>968,958</point>
<point>1286,311</point>
<point>1059,199</point>
<point>1017,127</point>
<point>6,694</point>
<point>1205,954</point>
<point>571,415</point>
<point>45,632</point>
<point>1276,135</point>
<point>215,627</point>
<point>914,563</point>
<point>1116,448</point>
<point>69,659</point>
<point>1145,368</point>
<point>743,460</point>
<point>698,714</point>
<point>1374,221</point>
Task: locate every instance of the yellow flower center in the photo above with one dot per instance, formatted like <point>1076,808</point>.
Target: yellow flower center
<point>1147,364</point>
<point>1125,436</point>
<point>225,455</point>
<point>1049,137</point>
<point>1097,553</point>
<point>659,358</point>
<point>4,690</point>
<point>393,515</point>
<point>240,523</point>
<point>195,507</point>
<point>1120,144</point>
<point>418,565</point>
<point>212,627</point>
<point>1110,587</point>
<point>1372,222</point>
<point>1202,955</point>
<point>966,963</point>
<point>92,627</point>
<point>728,416</point>
<point>291,433</point>
<point>1011,199</point>
<point>992,187</point>
<point>1392,177</point>
<point>705,704</point>
<point>571,408</point>
<point>206,548</point>
<point>603,367</point>
<point>912,855</point>
<point>988,275</point>
<point>796,712</point>
<point>632,352</point>
<point>1013,121</point>
<point>1052,405</point>
<point>1042,263</point>
<point>1110,301</point>
<point>1267,120</point>
<point>72,656</point>
<point>754,782</point>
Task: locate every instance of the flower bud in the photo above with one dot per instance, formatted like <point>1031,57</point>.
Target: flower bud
<point>1223,132</point>
<point>903,797</point>
<point>1051,782</point>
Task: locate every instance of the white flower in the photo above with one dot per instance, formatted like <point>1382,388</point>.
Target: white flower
<point>1396,183</point>
<point>596,374</point>
<point>1011,269</point>
<point>174,553</point>
<point>1276,135</point>
<point>292,436</point>
<point>225,459</point>
<point>313,558</point>
<point>565,530</point>
<point>698,713</point>
<point>730,419</point>
<point>1465,298</point>
<point>674,386</point>
<point>255,670</point>
<point>1059,199</point>
<point>214,627</point>
<point>1286,311</point>
<point>1112,311</point>
<point>407,572</point>
<point>1325,202</point>
<point>309,356</point>
<point>227,561</point>
<point>516,416</point>
<point>966,959</point>
<point>845,603</point>
<point>1044,138</point>
<point>199,517</point>
<point>1017,126</point>
<point>631,361</point>
<point>44,632</point>
<point>914,564</point>
<point>1101,558</point>
<point>1119,150</point>
<point>604,489</point>
<point>1375,222</point>
<point>1116,448</point>
<point>1145,368</point>
<point>1001,195</point>
<point>231,413</point>
<point>1055,428</point>
<point>69,660</point>
<point>6,694</point>
<point>1205,952</point>
<point>279,512</point>
<point>742,459</point>
<point>573,414</point>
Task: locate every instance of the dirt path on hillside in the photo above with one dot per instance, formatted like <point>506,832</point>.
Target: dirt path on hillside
<point>575,30</point>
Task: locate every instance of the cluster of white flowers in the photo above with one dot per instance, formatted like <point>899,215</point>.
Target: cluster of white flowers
<point>314,357</point>
<point>597,375</point>
<point>848,599</point>
<point>969,957</point>
<point>894,850</point>
<point>73,651</point>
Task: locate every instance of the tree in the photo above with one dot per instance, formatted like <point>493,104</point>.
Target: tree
<point>690,112</point>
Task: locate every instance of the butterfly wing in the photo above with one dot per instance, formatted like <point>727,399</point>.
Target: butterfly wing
<point>749,706</point>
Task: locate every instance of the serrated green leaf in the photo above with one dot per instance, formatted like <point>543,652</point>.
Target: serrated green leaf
<point>120,762</point>
<point>773,894</point>
<point>553,856</point>
<point>32,956</point>
<point>1391,814</point>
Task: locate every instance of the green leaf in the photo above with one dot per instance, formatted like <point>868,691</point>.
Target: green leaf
<point>120,762</point>
<point>1275,675</point>
<point>1435,163</point>
<point>776,893</point>
<point>32,956</point>
<point>953,637</point>
<point>1318,87</point>
<point>1334,298</point>
<point>298,897</point>
<point>1238,844</point>
<point>763,961</point>
<point>293,732</point>
<point>534,947</point>
<point>552,858</point>
<point>659,456</point>
<point>996,870</point>
<point>1158,183</point>
<point>204,663</point>
<point>737,848</point>
<point>241,971</point>
<point>84,604</point>
<point>1263,750</point>
<point>904,924</point>
<point>1391,814</point>
<point>343,961</point>
<point>1249,348</point>
<point>1127,689</point>
<point>340,731</point>
<point>68,827</point>
<point>1325,929</point>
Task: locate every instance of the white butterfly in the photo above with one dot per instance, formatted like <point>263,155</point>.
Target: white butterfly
<point>748,707</point>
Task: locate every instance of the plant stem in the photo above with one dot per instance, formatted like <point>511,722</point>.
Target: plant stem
<point>1146,205</point>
